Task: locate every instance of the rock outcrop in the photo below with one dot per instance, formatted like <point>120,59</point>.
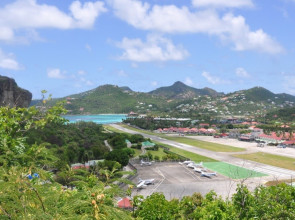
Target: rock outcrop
<point>12,95</point>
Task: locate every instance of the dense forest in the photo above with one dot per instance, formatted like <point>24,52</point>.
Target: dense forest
<point>34,141</point>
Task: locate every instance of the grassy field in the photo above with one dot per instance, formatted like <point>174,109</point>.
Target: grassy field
<point>270,159</point>
<point>137,152</point>
<point>194,157</point>
<point>139,130</point>
<point>160,153</point>
<point>206,145</point>
<point>196,143</point>
<point>112,129</point>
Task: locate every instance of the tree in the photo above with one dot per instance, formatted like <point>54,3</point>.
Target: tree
<point>28,191</point>
<point>118,155</point>
<point>15,124</point>
<point>156,206</point>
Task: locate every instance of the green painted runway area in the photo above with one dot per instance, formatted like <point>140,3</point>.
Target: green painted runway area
<point>232,171</point>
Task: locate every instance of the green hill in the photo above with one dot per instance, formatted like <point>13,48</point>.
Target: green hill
<point>176,100</point>
<point>260,94</point>
<point>285,115</point>
<point>181,91</point>
<point>111,99</point>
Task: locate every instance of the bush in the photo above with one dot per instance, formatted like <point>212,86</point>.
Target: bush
<point>118,155</point>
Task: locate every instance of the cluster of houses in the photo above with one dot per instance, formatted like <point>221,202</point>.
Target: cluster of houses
<point>258,135</point>
<point>209,131</point>
<point>86,165</point>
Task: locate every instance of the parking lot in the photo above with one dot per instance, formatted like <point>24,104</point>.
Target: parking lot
<point>175,181</point>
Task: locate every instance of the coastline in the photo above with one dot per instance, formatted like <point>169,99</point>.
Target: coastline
<point>98,114</point>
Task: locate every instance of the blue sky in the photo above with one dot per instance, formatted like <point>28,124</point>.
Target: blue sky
<point>67,47</point>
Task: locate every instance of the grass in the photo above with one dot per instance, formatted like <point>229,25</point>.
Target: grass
<point>277,182</point>
<point>112,129</point>
<point>270,159</point>
<point>160,153</point>
<point>232,171</point>
<point>194,157</point>
<point>137,152</point>
<point>206,145</point>
<point>196,143</point>
<point>139,130</point>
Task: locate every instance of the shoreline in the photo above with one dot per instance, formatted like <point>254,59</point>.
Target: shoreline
<point>99,114</point>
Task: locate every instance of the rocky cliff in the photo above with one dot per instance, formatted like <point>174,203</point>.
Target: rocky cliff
<point>12,95</point>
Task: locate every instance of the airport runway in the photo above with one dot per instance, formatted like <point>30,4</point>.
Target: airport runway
<point>274,172</point>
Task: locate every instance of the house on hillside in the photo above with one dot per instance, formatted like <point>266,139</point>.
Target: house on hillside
<point>147,144</point>
<point>125,203</point>
<point>203,125</point>
<point>132,114</point>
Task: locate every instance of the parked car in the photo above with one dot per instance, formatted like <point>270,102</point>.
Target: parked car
<point>281,146</point>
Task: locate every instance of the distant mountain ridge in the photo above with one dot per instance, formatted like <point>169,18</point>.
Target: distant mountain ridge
<point>261,94</point>
<point>181,91</point>
<point>177,98</point>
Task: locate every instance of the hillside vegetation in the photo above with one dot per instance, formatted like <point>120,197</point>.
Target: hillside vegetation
<point>177,100</point>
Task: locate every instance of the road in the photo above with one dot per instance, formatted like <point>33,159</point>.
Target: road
<point>273,172</point>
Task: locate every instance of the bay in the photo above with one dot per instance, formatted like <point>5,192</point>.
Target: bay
<point>99,119</point>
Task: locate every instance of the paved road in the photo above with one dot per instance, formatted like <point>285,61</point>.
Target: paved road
<point>274,172</point>
<point>107,144</point>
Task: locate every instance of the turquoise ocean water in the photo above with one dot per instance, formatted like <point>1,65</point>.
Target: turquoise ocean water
<point>100,119</point>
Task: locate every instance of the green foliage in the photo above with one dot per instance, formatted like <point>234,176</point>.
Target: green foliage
<point>118,141</point>
<point>110,99</point>
<point>149,123</point>
<point>157,207</point>
<point>21,198</point>
<point>118,155</point>
<point>28,191</point>
<point>130,152</point>
<point>72,143</point>
<point>136,138</point>
<point>14,125</point>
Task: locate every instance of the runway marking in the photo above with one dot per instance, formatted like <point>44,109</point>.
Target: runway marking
<point>160,182</point>
<point>189,172</point>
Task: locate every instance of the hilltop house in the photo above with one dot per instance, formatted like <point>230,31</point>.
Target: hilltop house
<point>125,203</point>
<point>147,144</point>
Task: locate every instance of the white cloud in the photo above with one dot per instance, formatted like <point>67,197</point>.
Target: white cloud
<point>55,73</point>
<point>214,79</point>
<point>134,65</point>
<point>88,47</point>
<point>82,72</point>
<point>7,61</point>
<point>173,19</point>
<point>86,81</point>
<point>188,81</point>
<point>28,14</point>
<point>122,73</point>
<point>241,72</point>
<point>223,3</point>
<point>156,48</point>
<point>154,83</point>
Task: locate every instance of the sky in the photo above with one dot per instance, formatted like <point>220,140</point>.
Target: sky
<point>67,47</point>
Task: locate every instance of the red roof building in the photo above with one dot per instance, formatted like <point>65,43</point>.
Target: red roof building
<point>125,203</point>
